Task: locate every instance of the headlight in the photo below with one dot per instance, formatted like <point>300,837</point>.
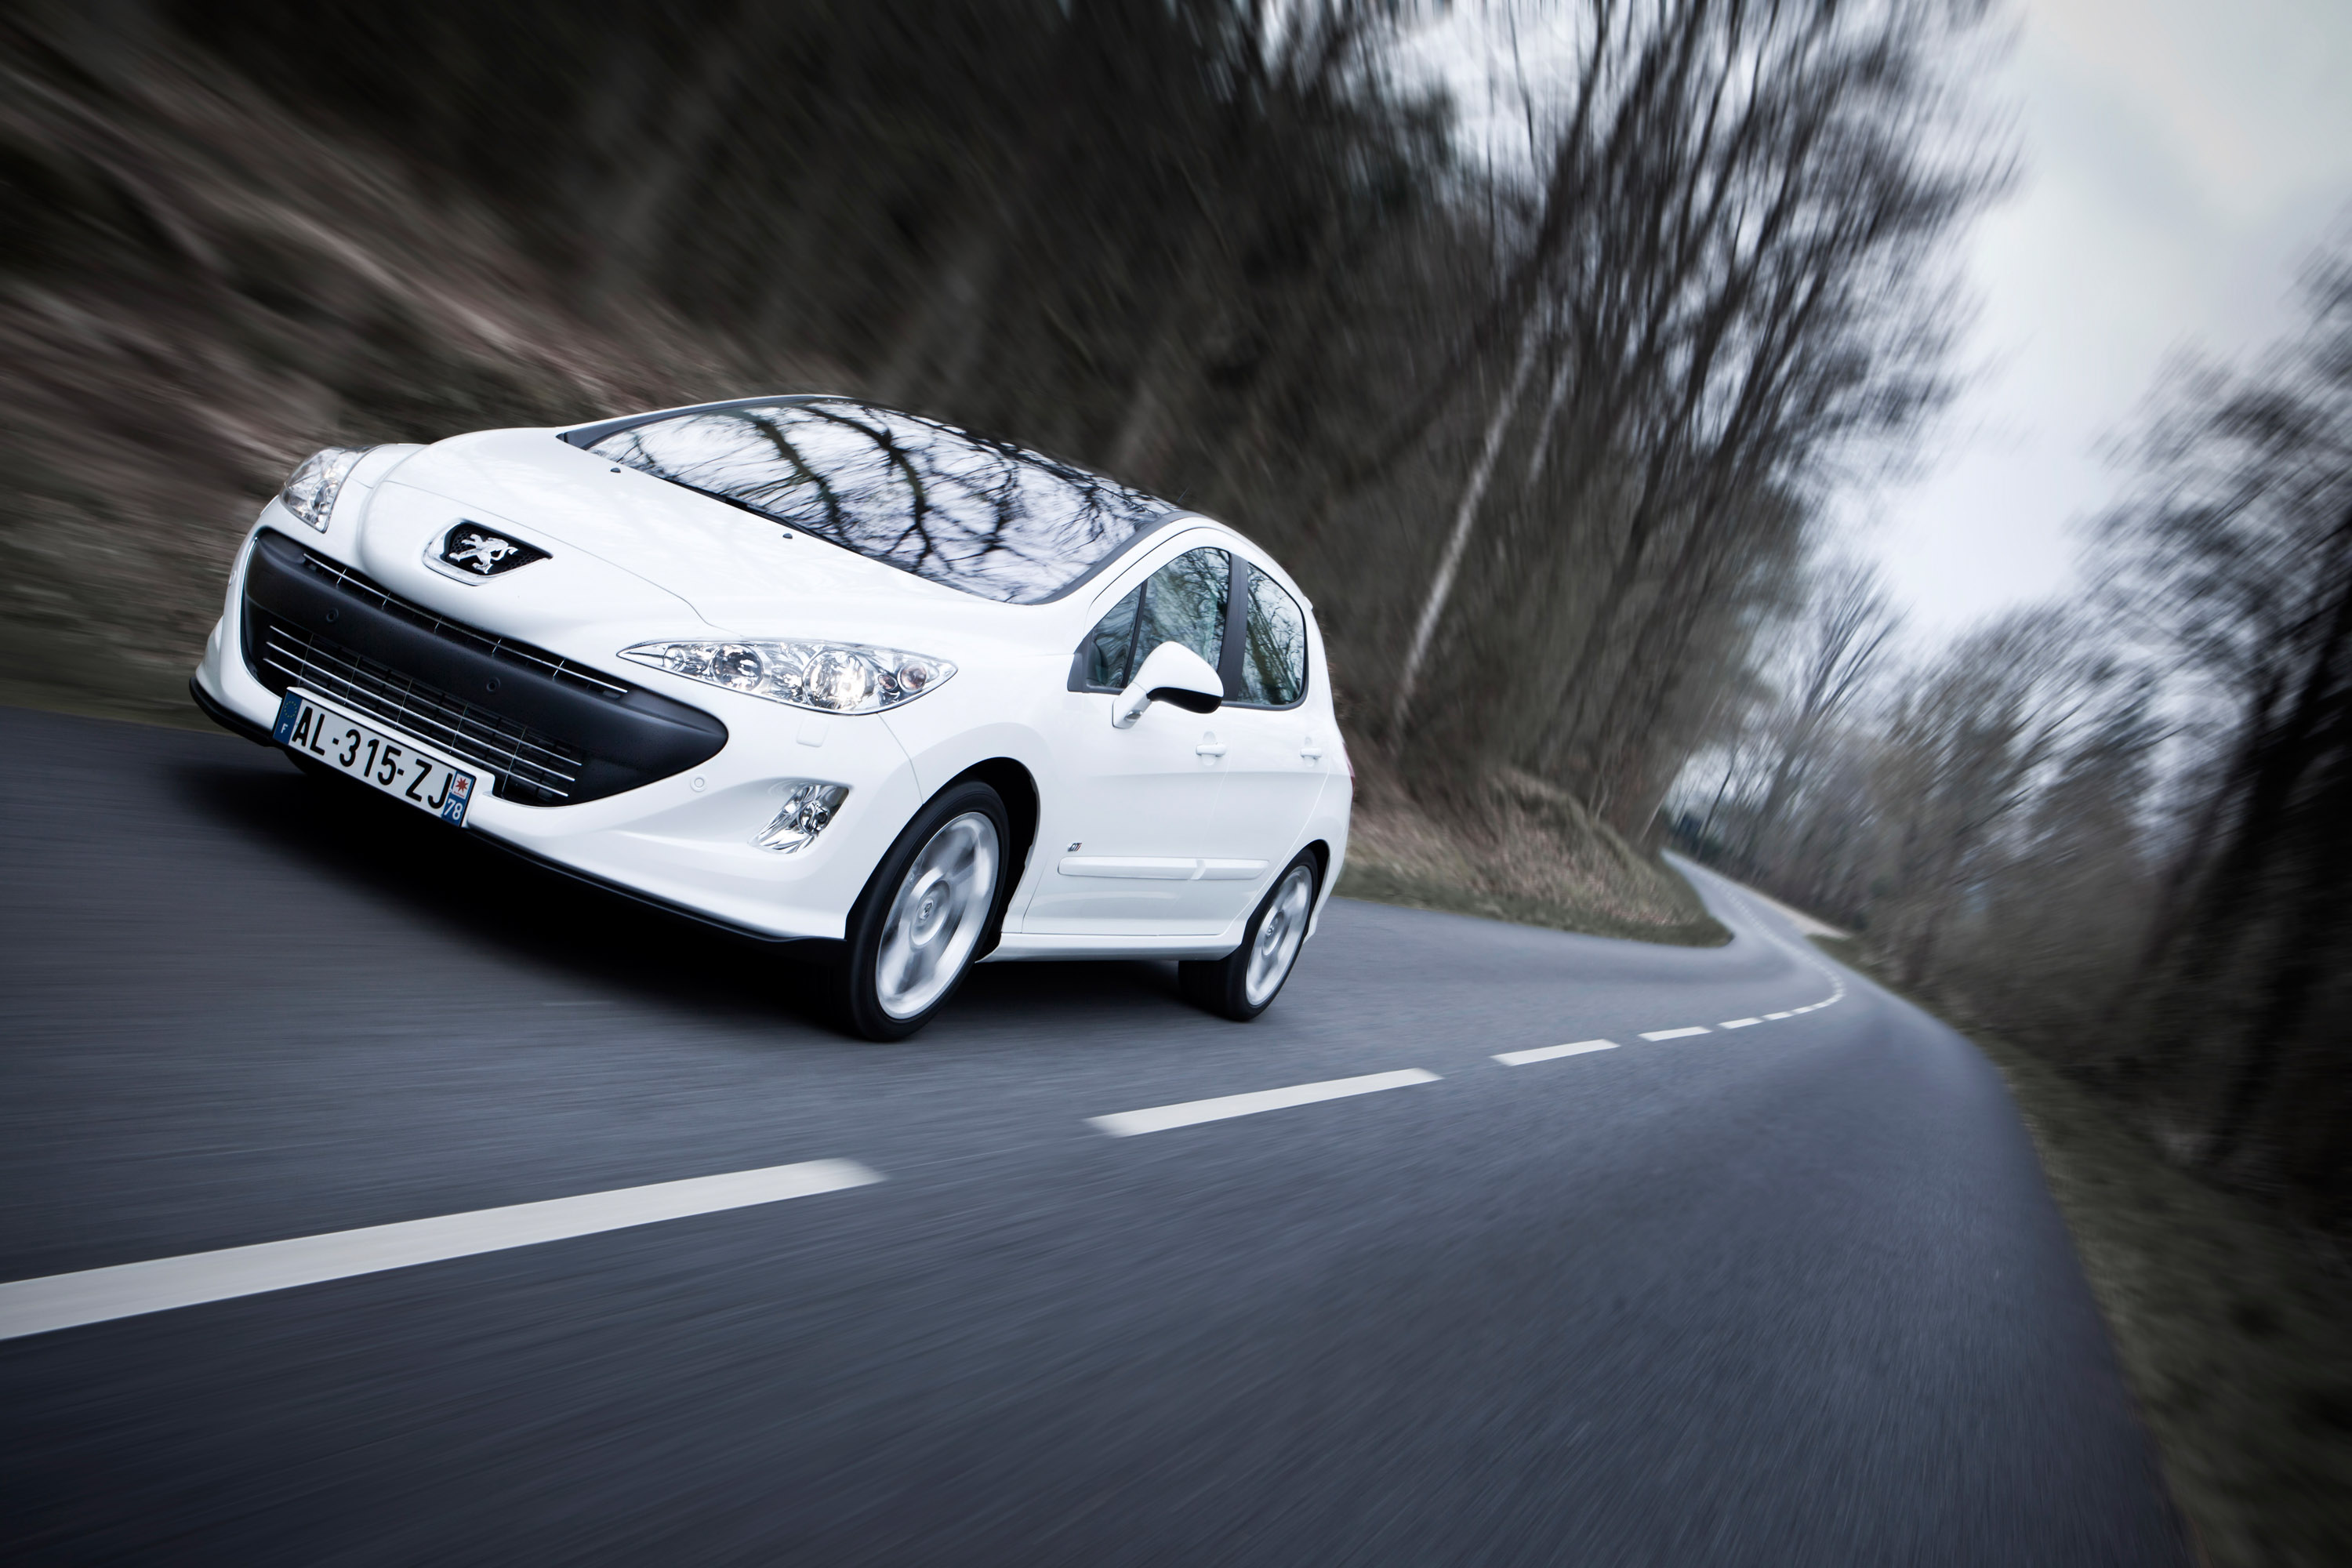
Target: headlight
<point>309,493</point>
<point>829,677</point>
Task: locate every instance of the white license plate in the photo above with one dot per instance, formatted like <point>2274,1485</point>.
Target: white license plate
<point>399,768</point>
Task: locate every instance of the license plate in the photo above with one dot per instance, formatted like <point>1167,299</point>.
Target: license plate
<point>398,767</point>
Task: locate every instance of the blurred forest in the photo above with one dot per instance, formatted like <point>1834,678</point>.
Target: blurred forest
<point>1551,439</point>
<point>1546,441</point>
<point>2118,830</point>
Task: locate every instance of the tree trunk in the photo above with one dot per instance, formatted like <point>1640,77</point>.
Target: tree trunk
<point>1449,565</point>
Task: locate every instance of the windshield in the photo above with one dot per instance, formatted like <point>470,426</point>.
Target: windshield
<point>993,520</point>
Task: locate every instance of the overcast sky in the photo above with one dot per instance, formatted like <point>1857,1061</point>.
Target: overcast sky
<point>2181,158</point>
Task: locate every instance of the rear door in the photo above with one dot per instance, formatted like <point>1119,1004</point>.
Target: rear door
<point>1276,759</point>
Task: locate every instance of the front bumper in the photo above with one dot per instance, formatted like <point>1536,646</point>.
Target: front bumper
<point>682,839</point>
<point>558,732</point>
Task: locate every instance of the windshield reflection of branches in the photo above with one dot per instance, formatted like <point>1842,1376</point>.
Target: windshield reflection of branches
<point>987,517</point>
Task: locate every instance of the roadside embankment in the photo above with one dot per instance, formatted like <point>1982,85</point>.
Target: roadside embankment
<point>1521,851</point>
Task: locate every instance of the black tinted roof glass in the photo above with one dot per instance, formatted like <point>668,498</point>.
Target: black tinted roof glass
<point>985,516</point>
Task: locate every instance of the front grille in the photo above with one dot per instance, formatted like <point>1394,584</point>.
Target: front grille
<point>507,648</point>
<point>552,731</point>
<point>534,768</point>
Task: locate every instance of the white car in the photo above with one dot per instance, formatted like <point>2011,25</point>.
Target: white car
<point>821,672</point>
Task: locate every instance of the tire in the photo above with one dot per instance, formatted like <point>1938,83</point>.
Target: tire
<point>1227,986</point>
<point>918,925</point>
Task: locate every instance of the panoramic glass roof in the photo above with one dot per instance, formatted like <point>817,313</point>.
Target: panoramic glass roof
<point>987,517</point>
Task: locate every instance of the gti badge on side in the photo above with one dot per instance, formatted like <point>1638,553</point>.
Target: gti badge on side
<point>473,548</point>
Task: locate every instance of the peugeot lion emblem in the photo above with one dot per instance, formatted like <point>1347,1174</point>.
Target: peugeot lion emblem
<point>470,547</point>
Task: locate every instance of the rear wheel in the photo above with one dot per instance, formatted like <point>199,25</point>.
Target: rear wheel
<point>1244,983</point>
<point>915,932</point>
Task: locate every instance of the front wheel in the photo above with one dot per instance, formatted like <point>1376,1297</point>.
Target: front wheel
<point>1244,983</point>
<point>913,933</point>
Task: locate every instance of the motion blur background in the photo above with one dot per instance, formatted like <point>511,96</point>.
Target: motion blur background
<point>1562,424</point>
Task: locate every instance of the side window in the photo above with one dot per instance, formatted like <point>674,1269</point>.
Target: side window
<point>1183,601</point>
<point>1109,648</point>
<point>1274,652</point>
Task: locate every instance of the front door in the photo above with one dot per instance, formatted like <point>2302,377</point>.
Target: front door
<point>1142,843</point>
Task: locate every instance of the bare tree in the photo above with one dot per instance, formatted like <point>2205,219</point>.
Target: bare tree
<point>1964,749</point>
<point>1847,635</point>
<point>1721,266</point>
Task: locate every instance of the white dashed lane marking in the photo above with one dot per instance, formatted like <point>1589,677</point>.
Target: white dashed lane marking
<point>1547,1053</point>
<point>1160,1118</point>
<point>129,1289</point>
<point>1837,993</point>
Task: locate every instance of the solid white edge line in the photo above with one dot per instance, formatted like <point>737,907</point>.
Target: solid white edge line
<point>1737,1023</point>
<point>1547,1053</point>
<point>1160,1118</point>
<point>1677,1034</point>
<point>131,1289</point>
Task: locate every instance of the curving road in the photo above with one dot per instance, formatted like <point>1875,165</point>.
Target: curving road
<point>1791,1292</point>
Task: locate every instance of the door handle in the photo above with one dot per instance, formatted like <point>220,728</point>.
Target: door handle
<point>1210,749</point>
<point>1312,753</point>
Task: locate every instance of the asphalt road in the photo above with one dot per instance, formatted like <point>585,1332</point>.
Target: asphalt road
<point>1791,1293</point>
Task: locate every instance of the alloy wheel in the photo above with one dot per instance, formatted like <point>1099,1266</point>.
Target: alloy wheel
<point>936,916</point>
<point>1278,936</point>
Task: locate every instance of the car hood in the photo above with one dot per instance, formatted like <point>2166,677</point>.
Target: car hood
<point>741,573</point>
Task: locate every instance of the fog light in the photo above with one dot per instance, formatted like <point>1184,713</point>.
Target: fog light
<point>809,805</point>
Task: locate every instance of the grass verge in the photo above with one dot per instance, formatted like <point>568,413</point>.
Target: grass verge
<point>2234,1327</point>
<point>1383,884</point>
<point>1513,847</point>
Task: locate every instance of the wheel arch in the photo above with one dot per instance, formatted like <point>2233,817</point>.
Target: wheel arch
<point>1017,786</point>
<point>1321,849</point>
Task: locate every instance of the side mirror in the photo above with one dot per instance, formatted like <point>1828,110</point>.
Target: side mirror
<point>1171,673</point>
